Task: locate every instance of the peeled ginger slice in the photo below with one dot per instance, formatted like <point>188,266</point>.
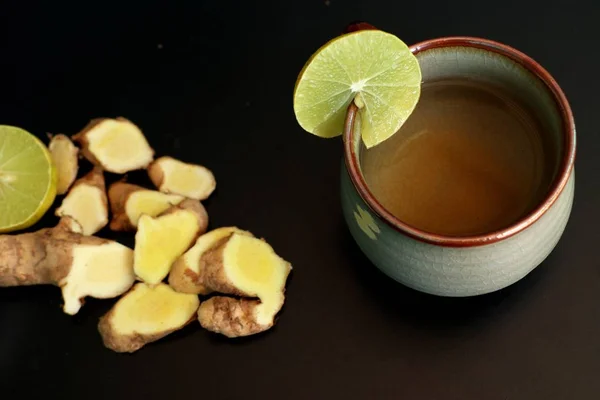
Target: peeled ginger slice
<point>144,315</point>
<point>64,156</point>
<point>243,266</point>
<point>101,271</point>
<point>117,145</point>
<point>160,241</point>
<point>190,180</point>
<point>86,203</point>
<point>185,276</point>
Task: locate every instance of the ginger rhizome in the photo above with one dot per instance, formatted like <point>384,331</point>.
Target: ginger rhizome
<point>248,267</point>
<point>128,202</point>
<point>196,208</point>
<point>232,317</point>
<point>185,275</point>
<point>242,273</point>
<point>161,240</point>
<point>144,315</point>
<point>81,265</point>
<point>86,202</point>
<point>190,180</point>
<point>117,145</point>
<point>65,157</point>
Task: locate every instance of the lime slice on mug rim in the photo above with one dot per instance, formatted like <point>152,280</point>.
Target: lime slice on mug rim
<point>373,68</point>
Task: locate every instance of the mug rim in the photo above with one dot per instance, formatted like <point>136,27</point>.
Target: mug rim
<point>565,168</point>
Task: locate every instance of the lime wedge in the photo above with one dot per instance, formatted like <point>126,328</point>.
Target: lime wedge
<point>27,179</point>
<point>371,67</point>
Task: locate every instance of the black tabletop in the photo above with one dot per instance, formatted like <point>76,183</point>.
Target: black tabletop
<point>211,82</point>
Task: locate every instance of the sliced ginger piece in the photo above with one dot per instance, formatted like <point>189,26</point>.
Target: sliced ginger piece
<point>232,317</point>
<point>86,202</point>
<point>102,272</point>
<point>244,266</point>
<point>161,240</point>
<point>144,315</point>
<point>185,273</point>
<point>195,207</point>
<point>190,180</point>
<point>117,145</point>
<point>64,155</point>
<point>81,265</point>
<point>128,202</point>
<point>71,225</point>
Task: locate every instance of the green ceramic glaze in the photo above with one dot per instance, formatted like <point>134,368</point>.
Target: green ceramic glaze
<point>475,269</point>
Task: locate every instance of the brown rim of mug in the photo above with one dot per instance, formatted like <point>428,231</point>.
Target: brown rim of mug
<point>556,188</point>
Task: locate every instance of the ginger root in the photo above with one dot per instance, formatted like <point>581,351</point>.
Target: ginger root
<point>161,240</point>
<point>144,315</point>
<point>117,145</point>
<point>81,265</point>
<point>231,317</point>
<point>195,207</point>
<point>64,155</point>
<point>246,266</point>
<point>185,273</point>
<point>128,202</point>
<point>86,202</point>
<point>173,176</point>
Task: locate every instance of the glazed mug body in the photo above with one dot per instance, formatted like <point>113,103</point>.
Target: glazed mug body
<point>467,266</point>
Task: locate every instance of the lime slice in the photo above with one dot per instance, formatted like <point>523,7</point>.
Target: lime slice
<point>27,179</point>
<point>375,69</point>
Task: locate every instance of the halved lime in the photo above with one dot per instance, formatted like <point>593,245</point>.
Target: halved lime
<point>27,179</point>
<point>375,69</point>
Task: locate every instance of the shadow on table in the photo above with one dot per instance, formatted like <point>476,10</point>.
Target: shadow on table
<point>429,311</point>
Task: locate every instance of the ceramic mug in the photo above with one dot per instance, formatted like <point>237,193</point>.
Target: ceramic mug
<point>467,266</point>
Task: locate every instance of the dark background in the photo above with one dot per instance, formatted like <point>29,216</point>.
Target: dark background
<point>211,82</point>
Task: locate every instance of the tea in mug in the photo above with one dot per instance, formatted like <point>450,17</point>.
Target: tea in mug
<point>469,160</point>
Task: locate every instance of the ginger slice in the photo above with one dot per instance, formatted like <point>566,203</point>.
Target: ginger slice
<point>128,202</point>
<point>245,266</point>
<point>71,225</point>
<point>185,273</point>
<point>190,180</point>
<point>102,272</point>
<point>86,202</point>
<point>117,145</point>
<point>195,207</point>
<point>144,315</point>
<point>81,265</point>
<point>231,317</point>
<point>160,241</point>
<point>64,155</point>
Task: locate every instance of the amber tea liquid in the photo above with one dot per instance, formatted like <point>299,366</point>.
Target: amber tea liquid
<point>470,160</point>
